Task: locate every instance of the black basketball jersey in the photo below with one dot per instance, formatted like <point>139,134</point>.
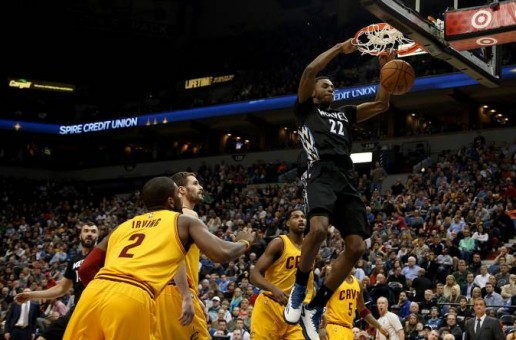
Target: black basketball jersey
<point>325,133</point>
<point>72,273</point>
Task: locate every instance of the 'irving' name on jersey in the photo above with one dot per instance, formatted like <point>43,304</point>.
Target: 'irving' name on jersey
<point>146,223</point>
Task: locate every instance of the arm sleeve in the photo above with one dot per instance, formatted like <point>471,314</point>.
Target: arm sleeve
<point>91,265</point>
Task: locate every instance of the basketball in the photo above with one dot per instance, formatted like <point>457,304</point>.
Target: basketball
<point>397,77</point>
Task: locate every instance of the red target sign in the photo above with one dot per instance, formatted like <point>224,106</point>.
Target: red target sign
<point>480,21</point>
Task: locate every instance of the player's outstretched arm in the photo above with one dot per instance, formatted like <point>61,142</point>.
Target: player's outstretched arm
<point>271,254</point>
<point>307,82</point>
<point>214,248</point>
<point>61,288</point>
<point>380,104</point>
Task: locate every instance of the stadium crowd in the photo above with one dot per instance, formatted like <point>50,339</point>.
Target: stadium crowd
<point>431,236</point>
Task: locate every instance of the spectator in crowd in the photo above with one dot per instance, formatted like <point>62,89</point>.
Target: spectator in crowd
<point>431,266</point>
<point>467,244</point>
<point>240,326</point>
<point>433,335</point>
<point>476,293</point>
<point>428,303</point>
<point>509,289</point>
<point>397,188</point>
<point>236,335</point>
<point>492,298</point>
<point>378,175</point>
<point>464,310</point>
<point>503,277</point>
<point>381,288</point>
<point>450,285</point>
<point>54,309</point>
<point>213,311</point>
<point>439,294</point>
<point>462,273</point>
<point>411,270</point>
<point>403,305</point>
<point>503,252</point>
<point>397,282</point>
<point>221,315</point>
<point>481,238</point>
<point>221,330</point>
<point>456,226</point>
<point>445,264</point>
<point>482,278</point>
<point>420,285</point>
<point>410,326</point>
<point>21,320</point>
<point>452,327</point>
<point>237,298</point>
<point>467,288</point>
<point>434,321</point>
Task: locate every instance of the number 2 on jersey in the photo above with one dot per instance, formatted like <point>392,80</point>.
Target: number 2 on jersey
<point>138,239</point>
<point>336,127</point>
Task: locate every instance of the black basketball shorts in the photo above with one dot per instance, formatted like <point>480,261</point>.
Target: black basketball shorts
<point>329,191</point>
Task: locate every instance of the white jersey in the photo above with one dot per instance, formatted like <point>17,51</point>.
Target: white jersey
<point>391,322</point>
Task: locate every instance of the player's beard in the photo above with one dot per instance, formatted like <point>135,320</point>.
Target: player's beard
<point>195,199</point>
<point>88,243</point>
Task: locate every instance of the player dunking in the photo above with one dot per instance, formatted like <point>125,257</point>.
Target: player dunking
<point>274,273</point>
<point>340,312</point>
<point>141,256</point>
<point>55,331</point>
<point>330,195</point>
<point>180,312</point>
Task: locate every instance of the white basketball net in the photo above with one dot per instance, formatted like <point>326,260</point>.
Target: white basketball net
<point>378,38</point>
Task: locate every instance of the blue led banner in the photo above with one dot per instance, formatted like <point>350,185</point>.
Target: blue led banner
<point>453,80</point>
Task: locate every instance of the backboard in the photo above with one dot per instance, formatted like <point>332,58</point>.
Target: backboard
<point>431,37</point>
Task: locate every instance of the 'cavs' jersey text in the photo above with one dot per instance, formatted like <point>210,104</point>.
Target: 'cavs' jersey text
<point>292,262</point>
<point>348,294</point>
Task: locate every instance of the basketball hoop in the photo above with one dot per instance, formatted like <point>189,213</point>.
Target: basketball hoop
<point>382,38</point>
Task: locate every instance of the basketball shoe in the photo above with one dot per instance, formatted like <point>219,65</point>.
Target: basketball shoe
<point>310,320</point>
<point>292,311</point>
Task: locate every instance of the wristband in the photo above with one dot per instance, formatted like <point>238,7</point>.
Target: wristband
<point>247,243</point>
<point>364,312</point>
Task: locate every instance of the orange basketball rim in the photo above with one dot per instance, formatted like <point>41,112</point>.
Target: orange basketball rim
<point>382,38</point>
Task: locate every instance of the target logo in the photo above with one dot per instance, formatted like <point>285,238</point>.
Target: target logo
<point>481,19</point>
<point>486,41</point>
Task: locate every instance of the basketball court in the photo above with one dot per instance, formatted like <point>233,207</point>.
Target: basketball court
<point>468,38</point>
